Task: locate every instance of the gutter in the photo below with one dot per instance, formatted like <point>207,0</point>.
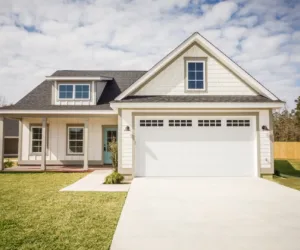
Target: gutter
<point>57,112</point>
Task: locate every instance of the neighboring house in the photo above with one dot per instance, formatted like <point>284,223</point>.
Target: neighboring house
<point>194,113</point>
<point>11,137</point>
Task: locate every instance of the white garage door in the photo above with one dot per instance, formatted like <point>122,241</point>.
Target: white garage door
<point>196,146</point>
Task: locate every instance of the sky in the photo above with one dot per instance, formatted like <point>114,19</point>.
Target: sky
<point>38,37</point>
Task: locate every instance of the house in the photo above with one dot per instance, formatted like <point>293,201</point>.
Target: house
<point>194,113</point>
<point>11,138</point>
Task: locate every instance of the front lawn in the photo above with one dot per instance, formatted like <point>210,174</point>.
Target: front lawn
<point>291,182</point>
<point>288,167</point>
<point>35,215</point>
<point>290,170</point>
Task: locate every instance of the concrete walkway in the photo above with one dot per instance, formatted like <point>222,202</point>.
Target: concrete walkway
<point>94,182</point>
<point>210,214</point>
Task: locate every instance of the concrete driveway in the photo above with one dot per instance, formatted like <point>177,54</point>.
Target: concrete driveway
<point>209,214</point>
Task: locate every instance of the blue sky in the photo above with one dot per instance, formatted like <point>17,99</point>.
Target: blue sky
<point>38,37</point>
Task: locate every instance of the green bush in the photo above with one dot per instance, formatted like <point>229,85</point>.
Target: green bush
<point>113,147</point>
<point>8,163</point>
<point>114,178</point>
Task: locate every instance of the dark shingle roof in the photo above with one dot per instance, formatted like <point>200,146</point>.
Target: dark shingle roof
<point>11,127</point>
<point>123,78</point>
<point>194,98</point>
<point>40,97</point>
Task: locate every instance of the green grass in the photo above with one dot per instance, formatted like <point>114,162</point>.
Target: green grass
<point>291,182</point>
<point>288,167</point>
<point>291,170</point>
<point>35,215</point>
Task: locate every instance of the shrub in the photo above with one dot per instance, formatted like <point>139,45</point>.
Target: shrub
<point>114,178</point>
<point>8,163</point>
<point>113,147</point>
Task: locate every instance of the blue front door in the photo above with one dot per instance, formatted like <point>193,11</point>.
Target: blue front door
<point>109,134</point>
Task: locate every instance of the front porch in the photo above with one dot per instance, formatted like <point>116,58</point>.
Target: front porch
<point>66,143</point>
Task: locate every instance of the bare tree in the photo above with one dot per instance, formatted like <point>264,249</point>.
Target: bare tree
<point>2,101</point>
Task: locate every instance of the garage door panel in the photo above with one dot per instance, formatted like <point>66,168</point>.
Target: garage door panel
<point>195,151</point>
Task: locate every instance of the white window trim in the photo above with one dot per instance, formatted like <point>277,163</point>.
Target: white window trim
<point>31,153</point>
<point>68,141</point>
<point>74,91</point>
<point>187,75</point>
<point>31,139</point>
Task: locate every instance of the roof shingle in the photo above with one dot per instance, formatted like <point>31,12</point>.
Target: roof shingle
<point>196,98</point>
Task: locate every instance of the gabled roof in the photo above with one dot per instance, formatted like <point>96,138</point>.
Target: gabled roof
<point>40,97</point>
<point>213,51</point>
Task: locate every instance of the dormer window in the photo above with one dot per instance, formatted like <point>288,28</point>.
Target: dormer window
<point>65,91</point>
<point>195,75</point>
<point>76,91</point>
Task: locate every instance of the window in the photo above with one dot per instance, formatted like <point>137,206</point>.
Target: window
<point>151,123</point>
<point>238,123</point>
<point>75,140</point>
<point>196,75</point>
<point>36,139</point>
<point>180,123</point>
<point>65,91</point>
<point>82,91</point>
<point>74,91</point>
<point>209,123</point>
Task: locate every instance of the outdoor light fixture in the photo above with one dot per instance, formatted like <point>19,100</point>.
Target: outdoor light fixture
<point>127,128</point>
<point>264,128</point>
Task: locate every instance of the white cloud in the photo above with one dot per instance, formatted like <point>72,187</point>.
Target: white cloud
<point>218,14</point>
<point>122,34</point>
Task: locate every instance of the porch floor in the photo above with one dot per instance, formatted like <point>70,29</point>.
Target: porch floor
<point>61,169</point>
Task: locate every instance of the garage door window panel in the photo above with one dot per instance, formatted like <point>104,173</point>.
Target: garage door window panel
<point>209,123</point>
<point>180,123</point>
<point>238,123</point>
<point>151,123</point>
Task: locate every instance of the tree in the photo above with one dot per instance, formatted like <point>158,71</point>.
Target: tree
<point>287,124</point>
<point>297,110</point>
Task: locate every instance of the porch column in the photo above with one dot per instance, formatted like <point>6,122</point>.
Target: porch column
<point>44,143</point>
<point>20,141</point>
<point>86,145</point>
<point>1,143</point>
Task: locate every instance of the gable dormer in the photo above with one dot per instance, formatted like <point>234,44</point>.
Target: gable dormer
<point>217,74</point>
<point>195,72</point>
<point>77,90</point>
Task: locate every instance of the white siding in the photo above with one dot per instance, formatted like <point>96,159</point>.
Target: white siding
<point>265,140</point>
<point>171,80</point>
<point>58,138</point>
<point>127,137</point>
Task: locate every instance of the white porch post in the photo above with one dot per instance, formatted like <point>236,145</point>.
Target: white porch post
<point>20,140</point>
<point>1,143</point>
<point>86,145</point>
<point>44,143</point>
